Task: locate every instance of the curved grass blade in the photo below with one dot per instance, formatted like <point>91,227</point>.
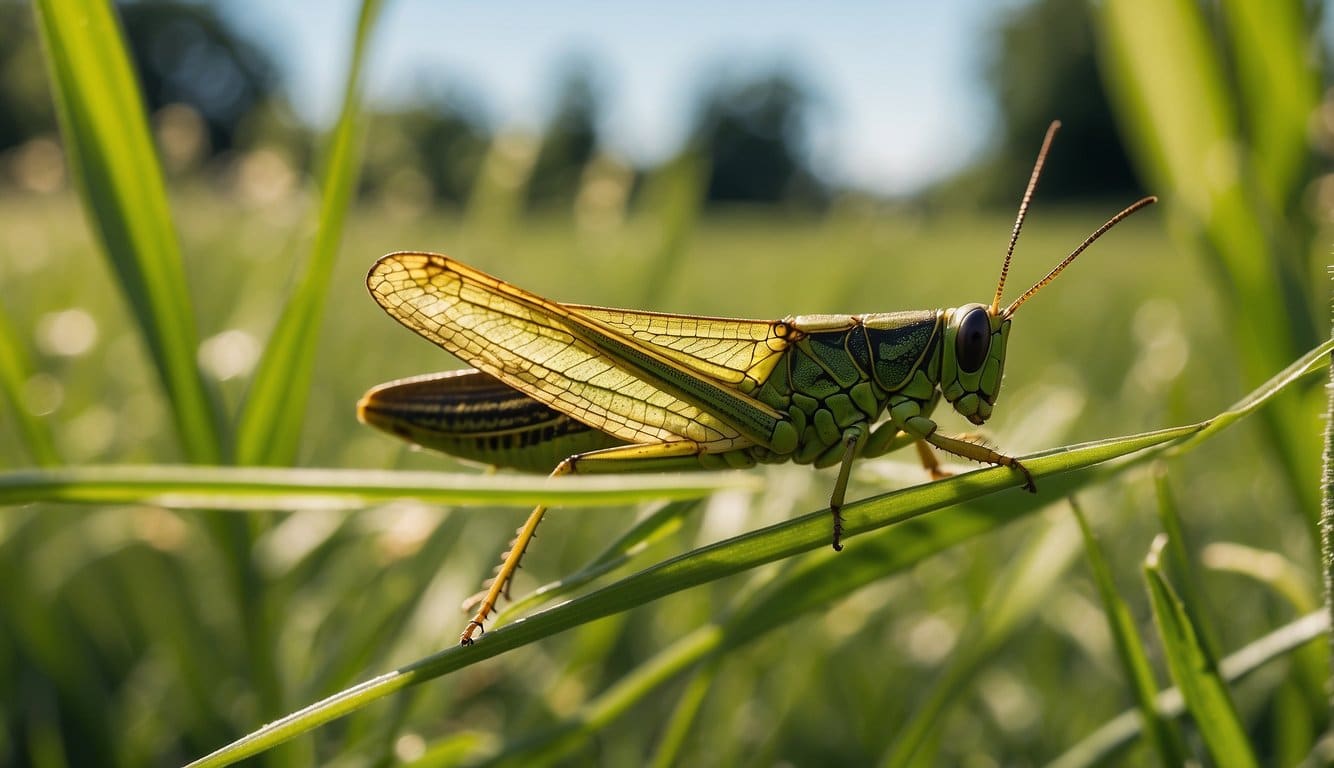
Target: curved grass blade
<point>725,558</point>
<point>183,487</point>
<point>1179,565</point>
<point>1103,744</point>
<point>1195,671</point>
<point>1013,600</point>
<point>1076,465</point>
<point>111,156</point>
<point>269,429</point>
<point>14,370</point>
<point>818,581</point>
<point>1164,736</point>
<point>652,528</point>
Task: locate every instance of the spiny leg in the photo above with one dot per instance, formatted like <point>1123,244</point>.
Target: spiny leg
<point>853,440</point>
<point>930,462</point>
<point>509,563</point>
<point>647,457</point>
<point>981,453</point>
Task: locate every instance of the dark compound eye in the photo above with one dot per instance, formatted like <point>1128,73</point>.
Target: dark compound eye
<point>973,340</point>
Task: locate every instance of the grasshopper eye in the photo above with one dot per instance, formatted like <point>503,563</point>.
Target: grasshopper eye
<point>973,340</point>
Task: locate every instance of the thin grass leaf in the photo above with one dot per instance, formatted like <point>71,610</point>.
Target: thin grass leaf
<point>688,705</point>
<point>275,407</point>
<point>725,558</point>
<point>652,528</point>
<point>185,487</point>
<point>112,158</point>
<point>1103,744</point>
<point>1327,501</point>
<point>820,580</point>
<point>547,747</point>
<point>1173,89</point>
<point>1012,601</point>
<point>14,371</point>
<point>1163,735</point>
<point>1076,465</point>
<point>1196,671</point>
<point>1312,361</point>
<point>1179,565</point>
<point>1278,88</point>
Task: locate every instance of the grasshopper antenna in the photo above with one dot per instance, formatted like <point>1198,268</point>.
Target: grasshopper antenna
<point>1099,232</point>
<point>1023,210</point>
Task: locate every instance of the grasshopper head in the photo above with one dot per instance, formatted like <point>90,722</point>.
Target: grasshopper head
<point>973,354</point>
<point>973,358</point>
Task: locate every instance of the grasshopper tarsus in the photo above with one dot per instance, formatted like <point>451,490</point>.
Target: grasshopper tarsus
<point>1029,485</point>
<point>838,529</point>
<point>466,638</point>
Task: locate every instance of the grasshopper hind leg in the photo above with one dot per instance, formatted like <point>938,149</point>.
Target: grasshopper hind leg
<point>650,456</point>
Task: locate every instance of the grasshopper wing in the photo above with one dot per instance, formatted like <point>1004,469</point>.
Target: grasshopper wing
<point>571,361</point>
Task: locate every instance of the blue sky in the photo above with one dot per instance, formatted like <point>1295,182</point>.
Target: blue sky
<point>900,97</point>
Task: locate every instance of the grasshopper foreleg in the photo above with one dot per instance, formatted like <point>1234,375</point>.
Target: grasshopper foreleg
<point>983,454</point>
<point>907,415</point>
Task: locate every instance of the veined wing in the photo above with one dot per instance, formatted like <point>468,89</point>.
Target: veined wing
<point>571,362</point>
<point>739,353</point>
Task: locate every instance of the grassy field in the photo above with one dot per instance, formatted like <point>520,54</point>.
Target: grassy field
<point>124,631</point>
<point>193,327</point>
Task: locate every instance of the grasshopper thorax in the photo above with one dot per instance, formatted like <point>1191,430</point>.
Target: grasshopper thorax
<point>972,359</point>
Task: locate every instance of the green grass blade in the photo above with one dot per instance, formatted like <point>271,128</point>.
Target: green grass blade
<point>1165,738</point>
<point>1278,87</point>
<point>725,558</point>
<point>1012,601</point>
<point>652,528</point>
<point>1099,747</point>
<point>1179,565</point>
<point>184,487</point>
<point>1195,671</point>
<point>1312,361</point>
<point>14,371</point>
<point>1327,502</point>
<point>1076,465</point>
<point>120,180</point>
<point>269,430</point>
<point>547,747</point>
<point>677,730</point>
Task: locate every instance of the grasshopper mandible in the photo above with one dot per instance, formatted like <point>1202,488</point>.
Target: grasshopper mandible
<point>594,389</point>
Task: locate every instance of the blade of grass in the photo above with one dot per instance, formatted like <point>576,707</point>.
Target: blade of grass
<point>1195,670</point>
<point>750,550</point>
<point>1178,563</point>
<point>120,180</point>
<point>14,371</point>
<point>1077,465</point>
<point>269,429</point>
<point>1102,745</point>
<point>185,487</point>
<point>818,581</point>
<point>1163,735</point>
<point>1012,601</point>
<point>1173,90</point>
<point>663,522</point>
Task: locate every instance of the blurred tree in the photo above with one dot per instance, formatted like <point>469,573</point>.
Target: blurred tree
<point>1044,67</point>
<point>570,138</point>
<point>433,149</point>
<point>186,53</point>
<point>754,134</point>
<point>25,101</point>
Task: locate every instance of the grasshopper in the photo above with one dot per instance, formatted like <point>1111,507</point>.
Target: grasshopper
<point>569,388</point>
